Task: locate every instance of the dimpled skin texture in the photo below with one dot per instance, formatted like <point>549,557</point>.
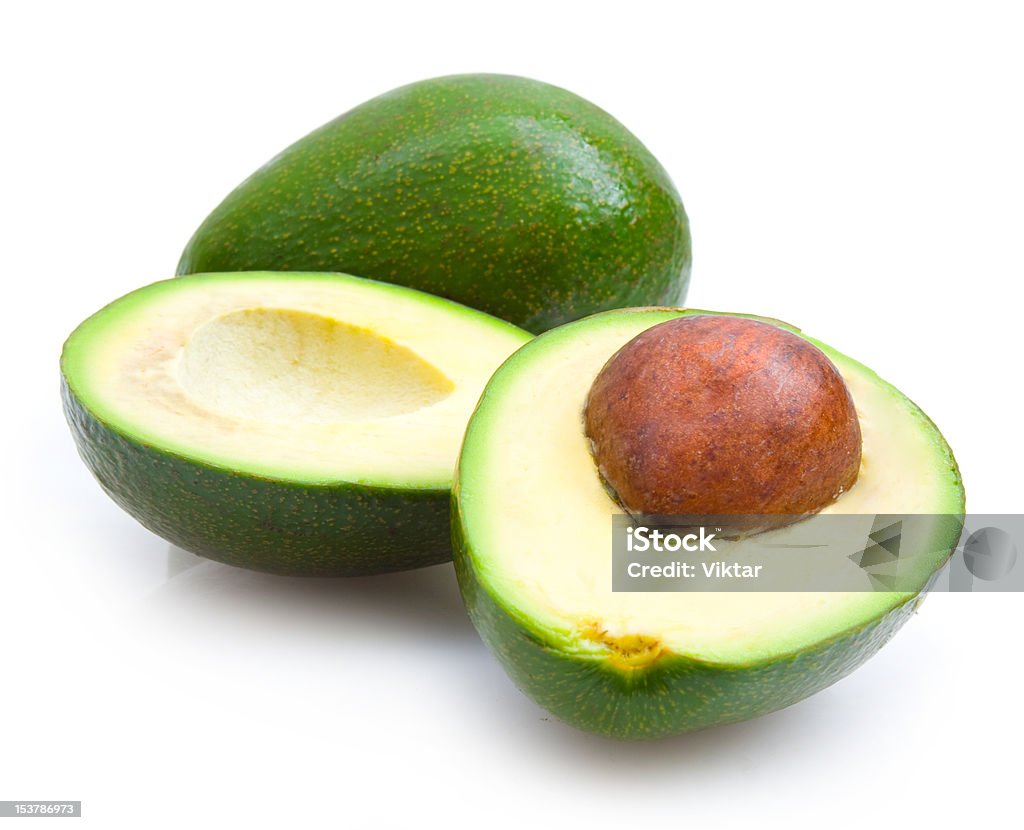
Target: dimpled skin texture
<point>723,415</point>
<point>674,694</point>
<point>264,524</point>
<point>502,193</point>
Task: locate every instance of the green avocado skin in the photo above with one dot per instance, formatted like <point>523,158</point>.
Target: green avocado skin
<point>673,695</point>
<point>502,193</point>
<point>259,523</point>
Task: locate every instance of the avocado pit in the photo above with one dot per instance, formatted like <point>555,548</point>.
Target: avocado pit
<point>723,416</point>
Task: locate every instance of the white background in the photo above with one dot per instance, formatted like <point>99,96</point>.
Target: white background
<point>854,170</point>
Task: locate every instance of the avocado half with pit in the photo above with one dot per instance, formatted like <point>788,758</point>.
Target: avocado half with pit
<point>303,425</point>
<point>532,520</point>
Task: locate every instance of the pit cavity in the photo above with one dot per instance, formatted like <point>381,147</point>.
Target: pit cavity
<point>275,364</point>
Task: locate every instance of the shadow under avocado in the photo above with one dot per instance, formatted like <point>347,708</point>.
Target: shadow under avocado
<point>424,601</point>
<point>424,605</point>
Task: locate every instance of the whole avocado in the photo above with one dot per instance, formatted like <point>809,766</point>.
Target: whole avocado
<point>503,193</point>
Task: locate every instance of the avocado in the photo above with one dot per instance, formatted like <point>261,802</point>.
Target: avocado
<point>304,424</point>
<point>532,521</point>
<point>502,193</point>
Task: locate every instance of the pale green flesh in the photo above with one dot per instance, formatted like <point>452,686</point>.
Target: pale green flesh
<point>537,518</point>
<point>313,378</point>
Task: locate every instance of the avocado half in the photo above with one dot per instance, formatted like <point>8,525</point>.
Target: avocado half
<point>503,193</point>
<point>305,424</point>
<point>532,524</point>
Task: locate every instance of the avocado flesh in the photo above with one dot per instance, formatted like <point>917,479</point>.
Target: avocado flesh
<point>299,424</point>
<point>503,193</point>
<point>533,523</point>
